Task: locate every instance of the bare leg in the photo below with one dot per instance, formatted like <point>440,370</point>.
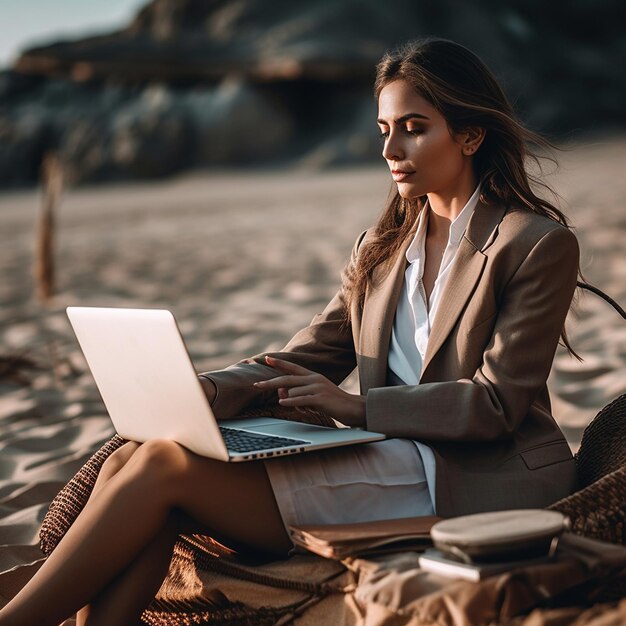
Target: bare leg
<point>159,477</point>
<point>125,598</point>
<point>116,461</point>
<point>130,592</point>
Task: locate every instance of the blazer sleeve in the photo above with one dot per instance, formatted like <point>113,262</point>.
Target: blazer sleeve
<point>325,346</point>
<point>515,365</point>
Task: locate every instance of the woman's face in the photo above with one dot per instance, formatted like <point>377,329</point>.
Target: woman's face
<point>423,155</point>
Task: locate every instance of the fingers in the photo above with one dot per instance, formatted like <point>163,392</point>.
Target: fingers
<point>306,390</point>
<point>286,381</point>
<point>279,381</point>
<point>311,396</point>
<point>312,401</point>
<point>287,366</point>
<point>299,387</point>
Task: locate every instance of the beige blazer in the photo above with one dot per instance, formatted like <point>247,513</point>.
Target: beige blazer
<point>482,403</point>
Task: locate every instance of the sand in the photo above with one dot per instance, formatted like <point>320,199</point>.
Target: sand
<point>243,259</point>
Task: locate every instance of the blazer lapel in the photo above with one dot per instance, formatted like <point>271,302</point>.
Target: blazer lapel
<point>466,271</point>
<point>379,310</point>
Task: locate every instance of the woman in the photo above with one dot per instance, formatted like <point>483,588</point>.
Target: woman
<point>451,306</point>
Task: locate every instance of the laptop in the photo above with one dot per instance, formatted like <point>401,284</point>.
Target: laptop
<point>151,390</point>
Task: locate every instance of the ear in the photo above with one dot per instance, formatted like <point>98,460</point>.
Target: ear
<point>470,139</point>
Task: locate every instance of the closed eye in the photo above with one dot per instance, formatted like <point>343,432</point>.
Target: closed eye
<point>414,132</point>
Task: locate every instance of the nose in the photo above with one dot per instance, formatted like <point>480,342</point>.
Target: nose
<point>392,150</point>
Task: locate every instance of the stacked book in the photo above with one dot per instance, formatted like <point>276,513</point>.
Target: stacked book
<point>444,564</point>
<point>338,541</point>
<point>470,547</point>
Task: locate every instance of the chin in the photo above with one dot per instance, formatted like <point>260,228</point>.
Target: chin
<point>408,192</point>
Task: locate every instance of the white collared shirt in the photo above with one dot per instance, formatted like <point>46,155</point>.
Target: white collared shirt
<point>414,315</point>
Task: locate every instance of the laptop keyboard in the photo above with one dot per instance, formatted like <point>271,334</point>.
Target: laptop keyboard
<point>242,441</point>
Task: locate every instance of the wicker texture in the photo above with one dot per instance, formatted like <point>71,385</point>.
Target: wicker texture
<point>598,508</point>
<point>200,552</point>
<point>603,446</point>
<point>69,502</point>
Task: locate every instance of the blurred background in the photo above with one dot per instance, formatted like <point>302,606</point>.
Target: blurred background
<point>130,89</point>
<point>218,158</point>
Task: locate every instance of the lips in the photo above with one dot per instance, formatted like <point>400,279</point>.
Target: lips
<point>400,175</point>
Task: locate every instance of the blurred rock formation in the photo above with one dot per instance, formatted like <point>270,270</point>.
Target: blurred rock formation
<point>192,83</point>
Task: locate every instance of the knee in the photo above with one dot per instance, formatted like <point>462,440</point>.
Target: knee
<point>118,459</point>
<point>162,459</point>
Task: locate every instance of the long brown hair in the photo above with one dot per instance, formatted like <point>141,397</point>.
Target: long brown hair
<point>461,87</point>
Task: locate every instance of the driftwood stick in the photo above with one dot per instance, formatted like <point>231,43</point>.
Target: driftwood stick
<point>52,179</point>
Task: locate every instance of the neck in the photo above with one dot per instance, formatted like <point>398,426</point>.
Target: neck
<point>446,205</point>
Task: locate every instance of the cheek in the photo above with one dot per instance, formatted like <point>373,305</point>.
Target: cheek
<point>439,145</point>
<point>444,157</point>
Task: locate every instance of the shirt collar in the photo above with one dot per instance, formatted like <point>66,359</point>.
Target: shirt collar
<point>415,250</point>
<point>458,226</point>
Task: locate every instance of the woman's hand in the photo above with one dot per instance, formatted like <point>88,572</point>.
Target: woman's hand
<point>300,387</point>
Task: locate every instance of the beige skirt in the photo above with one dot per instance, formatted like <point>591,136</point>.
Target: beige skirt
<point>359,483</point>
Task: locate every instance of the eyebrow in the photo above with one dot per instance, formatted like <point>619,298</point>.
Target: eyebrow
<point>405,118</point>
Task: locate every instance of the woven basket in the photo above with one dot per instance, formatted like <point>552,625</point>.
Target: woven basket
<point>598,508</point>
<point>603,446</point>
<point>69,502</point>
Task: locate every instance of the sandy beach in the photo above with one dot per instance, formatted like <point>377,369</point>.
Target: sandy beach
<point>243,259</point>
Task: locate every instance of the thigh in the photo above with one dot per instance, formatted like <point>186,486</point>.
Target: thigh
<point>234,501</point>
